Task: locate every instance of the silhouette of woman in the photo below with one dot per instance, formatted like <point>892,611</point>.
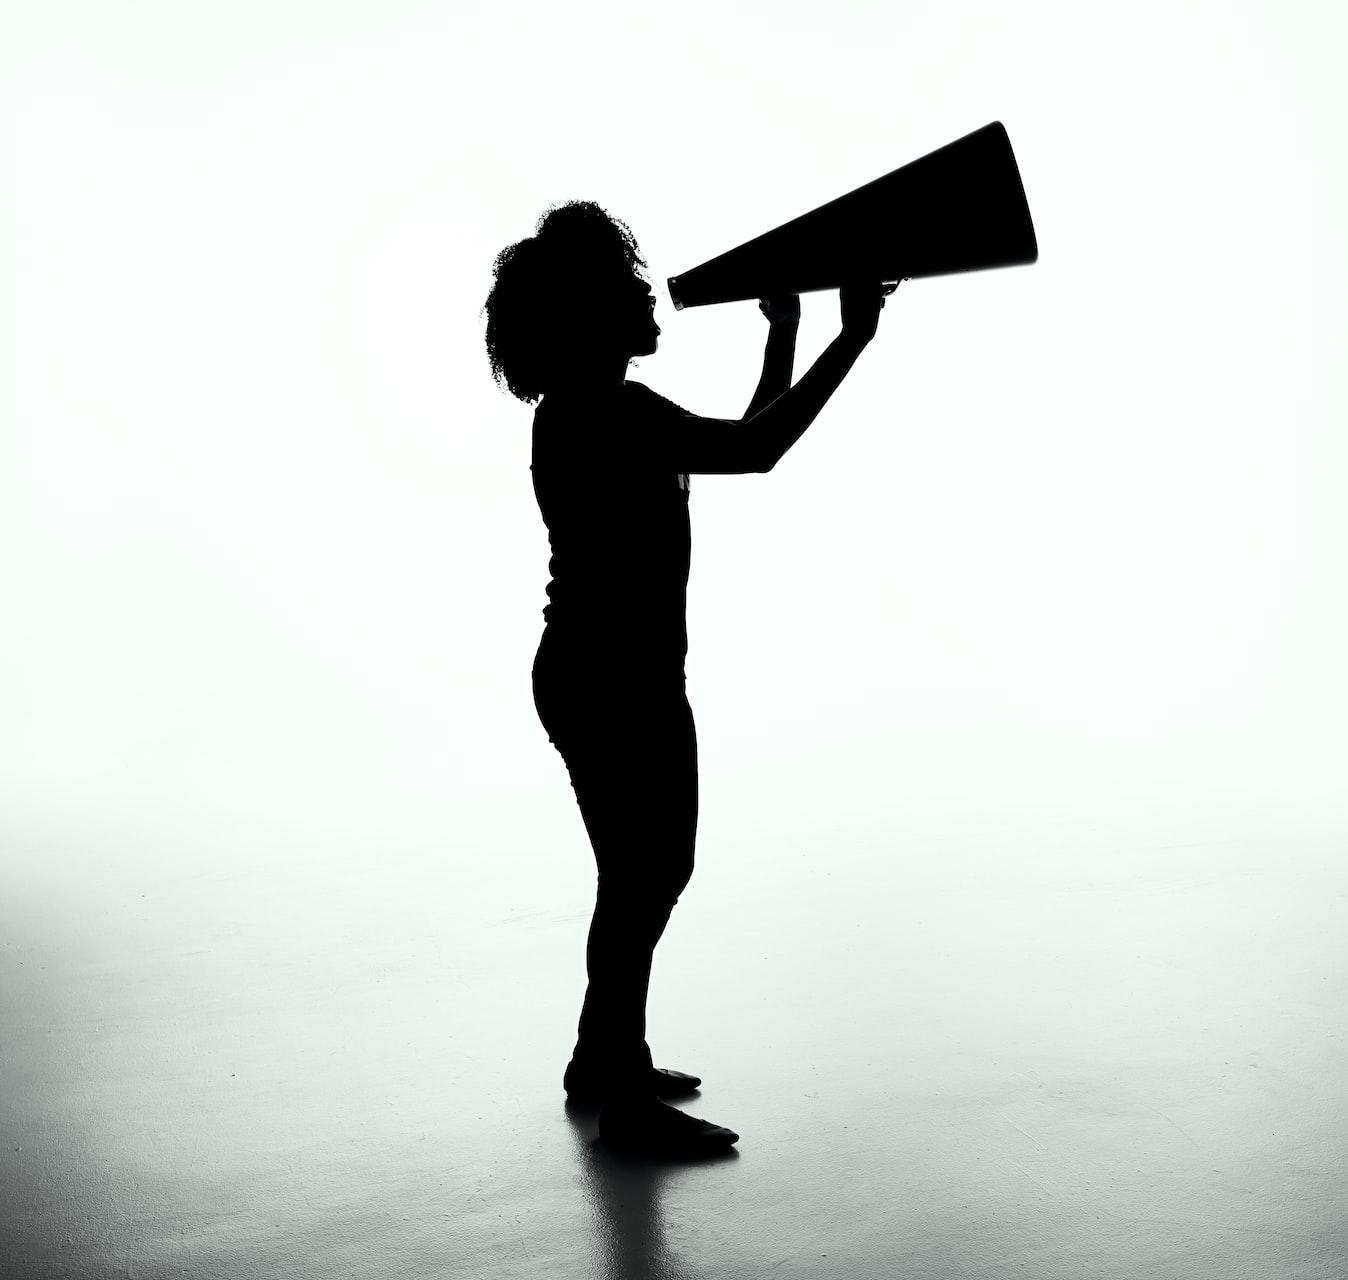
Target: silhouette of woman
<point>567,311</point>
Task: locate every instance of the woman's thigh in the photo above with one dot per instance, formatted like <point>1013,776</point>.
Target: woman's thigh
<point>630,748</point>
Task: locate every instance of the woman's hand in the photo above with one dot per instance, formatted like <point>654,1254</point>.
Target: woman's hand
<point>861,303</point>
<point>781,311</point>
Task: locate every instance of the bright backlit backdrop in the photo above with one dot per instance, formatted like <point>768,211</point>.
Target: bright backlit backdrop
<point>1071,534</point>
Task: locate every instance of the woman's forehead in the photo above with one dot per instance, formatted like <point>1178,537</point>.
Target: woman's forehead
<point>621,278</point>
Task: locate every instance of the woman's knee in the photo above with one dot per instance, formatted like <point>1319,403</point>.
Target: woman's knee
<point>648,892</point>
<point>678,874</point>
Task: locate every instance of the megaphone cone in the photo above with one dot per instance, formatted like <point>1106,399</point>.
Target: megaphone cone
<point>959,208</point>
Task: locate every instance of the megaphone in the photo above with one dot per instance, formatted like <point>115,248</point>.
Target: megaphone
<point>959,208</point>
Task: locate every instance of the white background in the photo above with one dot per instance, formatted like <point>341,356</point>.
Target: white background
<point>1070,540</point>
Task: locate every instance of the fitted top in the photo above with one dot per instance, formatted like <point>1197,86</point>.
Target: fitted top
<point>616,508</point>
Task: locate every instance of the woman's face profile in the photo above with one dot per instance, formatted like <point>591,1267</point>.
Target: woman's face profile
<point>628,306</point>
<point>646,303</point>
<point>610,321</point>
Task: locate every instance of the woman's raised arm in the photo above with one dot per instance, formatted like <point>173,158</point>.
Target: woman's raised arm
<point>757,442</point>
<point>779,354</point>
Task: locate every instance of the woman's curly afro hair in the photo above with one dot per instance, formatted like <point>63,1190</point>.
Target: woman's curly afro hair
<point>547,292</point>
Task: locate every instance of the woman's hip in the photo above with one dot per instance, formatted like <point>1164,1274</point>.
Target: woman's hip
<point>598,673</point>
<point>580,699</point>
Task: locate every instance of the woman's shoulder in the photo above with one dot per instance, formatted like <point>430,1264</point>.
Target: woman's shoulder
<point>652,401</point>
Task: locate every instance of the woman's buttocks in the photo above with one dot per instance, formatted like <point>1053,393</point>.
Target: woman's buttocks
<point>580,684</point>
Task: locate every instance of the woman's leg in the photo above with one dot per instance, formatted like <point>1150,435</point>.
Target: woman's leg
<point>630,747</point>
<point>635,780</point>
<point>633,764</point>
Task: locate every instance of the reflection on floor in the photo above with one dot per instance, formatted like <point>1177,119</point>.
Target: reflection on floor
<point>1051,1049</point>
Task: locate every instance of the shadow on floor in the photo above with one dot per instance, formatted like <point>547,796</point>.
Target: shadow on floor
<point>624,1191</point>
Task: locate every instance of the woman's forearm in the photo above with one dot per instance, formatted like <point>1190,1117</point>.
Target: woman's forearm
<point>779,424</point>
<point>779,356</point>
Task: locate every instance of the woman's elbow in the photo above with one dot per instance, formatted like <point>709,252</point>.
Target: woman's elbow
<point>760,454</point>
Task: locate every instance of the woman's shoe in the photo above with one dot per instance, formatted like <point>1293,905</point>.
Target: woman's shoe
<point>646,1126</point>
<point>588,1085</point>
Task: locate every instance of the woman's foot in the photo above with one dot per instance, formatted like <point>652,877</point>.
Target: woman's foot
<point>584,1084</point>
<point>646,1126</point>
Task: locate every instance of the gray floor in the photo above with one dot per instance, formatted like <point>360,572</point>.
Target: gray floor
<point>1053,1047</point>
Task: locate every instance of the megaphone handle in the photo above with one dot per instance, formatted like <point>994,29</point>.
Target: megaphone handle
<point>888,286</point>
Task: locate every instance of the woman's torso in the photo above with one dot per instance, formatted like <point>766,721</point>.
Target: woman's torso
<point>618,529</point>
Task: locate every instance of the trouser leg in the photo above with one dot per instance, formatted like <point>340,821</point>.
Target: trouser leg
<point>637,791</point>
<point>618,956</point>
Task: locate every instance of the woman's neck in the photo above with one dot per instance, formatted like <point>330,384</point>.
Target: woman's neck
<point>592,378</point>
